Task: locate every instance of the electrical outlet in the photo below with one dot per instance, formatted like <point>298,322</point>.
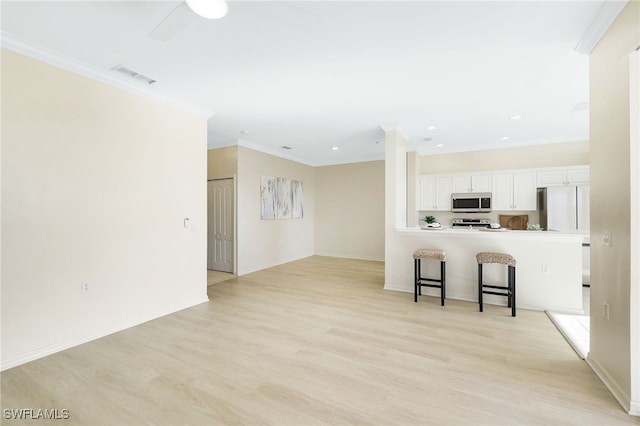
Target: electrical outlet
<point>606,239</point>
<point>84,287</point>
<point>606,310</point>
<point>545,269</point>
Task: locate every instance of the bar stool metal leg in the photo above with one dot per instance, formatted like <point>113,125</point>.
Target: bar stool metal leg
<point>480,286</point>
<point>416,278</point>
<point>512,285</point>
<point>442,283</point>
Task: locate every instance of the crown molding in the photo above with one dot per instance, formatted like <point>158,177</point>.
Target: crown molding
<point>16,44</point>
<point>606,16</point>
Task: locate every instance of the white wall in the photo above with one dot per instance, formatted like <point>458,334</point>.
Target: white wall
<point>96,183</point>
<point>266,243</point>
<point>349,217</point>
<point>610,353</point>
<point>635,230</point>
<point>395,201</point>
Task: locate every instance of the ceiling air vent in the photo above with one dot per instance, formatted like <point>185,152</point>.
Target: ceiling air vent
<point>135,75</point>
<point>285,147</point>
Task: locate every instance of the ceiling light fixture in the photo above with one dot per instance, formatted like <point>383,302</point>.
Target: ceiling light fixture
<point>210,9</point>
<point>335,148</point>
<point>440,145</point>
<point>505,138</point>
<point>515,117</point>
<point>431,128</point>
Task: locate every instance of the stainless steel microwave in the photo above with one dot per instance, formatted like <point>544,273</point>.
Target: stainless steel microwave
<point>475,202</point>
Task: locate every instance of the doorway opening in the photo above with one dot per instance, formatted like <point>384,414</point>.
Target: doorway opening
<point>220,230</point>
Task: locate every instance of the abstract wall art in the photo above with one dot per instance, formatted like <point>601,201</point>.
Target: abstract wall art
<point>297,200</point>
<point>283,199</point>
<point>267,197</point>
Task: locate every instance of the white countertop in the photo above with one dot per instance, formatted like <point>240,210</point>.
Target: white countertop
<point>463,232</point>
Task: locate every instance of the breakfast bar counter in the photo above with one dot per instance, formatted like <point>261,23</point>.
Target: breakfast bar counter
<point>548,272</point>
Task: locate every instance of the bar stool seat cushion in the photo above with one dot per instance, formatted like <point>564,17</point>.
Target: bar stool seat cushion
<point>436,254</point>
<point>493,257</point>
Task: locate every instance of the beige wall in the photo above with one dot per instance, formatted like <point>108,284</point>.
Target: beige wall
<point>222,162</point>
<point>547,155</point>
<point>266,243</point>
<point>96,183</point>
<point>350,210</point>
<point>610,201</point>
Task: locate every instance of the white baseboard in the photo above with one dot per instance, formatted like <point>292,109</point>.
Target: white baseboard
<point>5,364</point>
<point>634,409</point>
<point>618,393</point>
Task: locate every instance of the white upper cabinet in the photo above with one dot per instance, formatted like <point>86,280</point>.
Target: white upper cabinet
<point>514,191</point>
<point>502,197</point>
<point>511,189</point>
<point>565,176</point>
<point>434,192</point>
<point>525,191</point>
<point>472,183</point>
<point>578,176</point>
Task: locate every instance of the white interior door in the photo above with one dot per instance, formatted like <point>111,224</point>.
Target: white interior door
<point>220,225</point>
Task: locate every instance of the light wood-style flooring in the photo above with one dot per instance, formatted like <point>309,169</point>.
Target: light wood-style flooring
<point>316,342</point>
<point>215,277</point>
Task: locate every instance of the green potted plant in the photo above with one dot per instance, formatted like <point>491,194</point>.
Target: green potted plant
<point>429,219</point>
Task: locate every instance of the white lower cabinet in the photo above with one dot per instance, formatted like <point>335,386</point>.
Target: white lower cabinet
<point>514,191</point>
<point>434,192</point>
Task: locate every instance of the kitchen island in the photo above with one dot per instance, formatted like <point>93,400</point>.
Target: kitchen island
<point>548,273</point>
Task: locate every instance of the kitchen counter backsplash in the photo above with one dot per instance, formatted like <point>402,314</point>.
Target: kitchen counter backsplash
<point>445,217</point>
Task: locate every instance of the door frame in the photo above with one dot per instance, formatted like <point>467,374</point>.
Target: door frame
<point>234,216</point>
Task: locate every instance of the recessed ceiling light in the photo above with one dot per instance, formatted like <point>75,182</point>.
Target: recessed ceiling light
<point>431,128</point>
<point>515,117</point>
<point>505,138</point>
<point>210,9</point>
<point>440,145</point>
<point>335,148</point>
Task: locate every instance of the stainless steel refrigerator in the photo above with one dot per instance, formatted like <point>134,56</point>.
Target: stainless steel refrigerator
<point>564,208</point>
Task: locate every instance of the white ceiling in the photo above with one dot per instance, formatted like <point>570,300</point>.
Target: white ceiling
<point>314,75</point>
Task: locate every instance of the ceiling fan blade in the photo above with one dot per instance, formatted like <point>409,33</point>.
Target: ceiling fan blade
<point>173,23</point>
